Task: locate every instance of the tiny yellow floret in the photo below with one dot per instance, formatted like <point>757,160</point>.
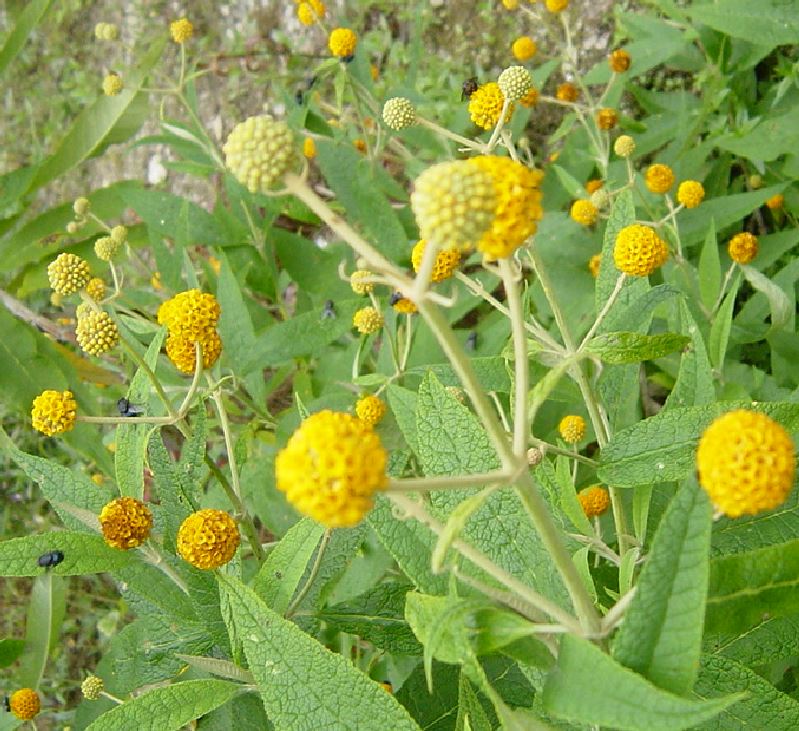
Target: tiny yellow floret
<point>181,351</point>
<point>331,468</point>
<point>91,688</point>
<point>311,11</point>
<point>776,201</point>
<point>607,118</point>
<point>112,84</point>
<point>593,265</point>
<point>572,428</point>
<point>399,113</point>
<point>309,148</point>
<point>208,539</point>
<point>619,61</point>
<point>370,409</point>
<point>190,314</point>
<point>126,523</point>
<point>690,193</point>
<point>584,212</point>
<point>96,289</point>
<point>360,281</point>
<point>557,6</point>
<point>485,106</point>
<point>181,30</point>
<point>624,146</point>
<point>342,43</point>
<point>54,412</point>
<point>447,261</point>
<point>567,92</point>
<point>659,178</point>
<point>25,704</point>
<point>639,250</point>
<point>594,500</point>
<point>524,48</point>
<point>367,320</point>
<point>68,273</point>
<point>746,463</point>
<point>743,247</point>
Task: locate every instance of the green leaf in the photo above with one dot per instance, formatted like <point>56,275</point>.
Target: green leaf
<point>721,325</point>
<point>168,708</point>
<point>42,627</point>
<point>661,635</point>
<point>377,617</point>
<point>177,498</point>
<point>762,707</point>
<point>662,448</point>
<point>27,20</point>
<point>626,347</point>
<point>280,574</point>
<point>353,180</point>
<point>10,650</point>
<point>302,684</point>
<point>736,535</point>
<point>436,711</point>
<point>95,122</point>
<point>588,687</point>
<point>773,22</point>
<point>84,553</point>
<point>746,588</point>
<point>452,442</point>
<point>775,638</point>
<point>781,306</point>
<point>622,214</point>
<point>145,582</point>
<point>403,406</point>
<point>471,714</point>
<point>694,385</point>
<point>132,438</point>
<point>491,372</point>
<point>214,666</point>
<point>710,269</point>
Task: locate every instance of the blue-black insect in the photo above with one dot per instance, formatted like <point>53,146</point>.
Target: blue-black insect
<point>468,88</point>
<point>329,311</point>
<point>50,559</point>
<point>126,408</point>
<point>395,297</point>
<point>471,340</point>
<point>7,704</point>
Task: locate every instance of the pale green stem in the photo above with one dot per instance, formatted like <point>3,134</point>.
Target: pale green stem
<point>141,363</point>
<point>604,311</point>
<point>547,447</point>
<point>444,132</point>
<point>492,143</point>
<point>457,482</point>
<point>152,556</point>
<point>422,281</point>
<point>507,141</point>
<point>408,337</point>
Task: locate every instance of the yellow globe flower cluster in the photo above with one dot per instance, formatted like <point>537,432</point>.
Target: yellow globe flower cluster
<point>25,704</point>
<point>571,429</point>
<point>594,500</point>
<point>191,317</point>
<point>54,412</point>
<point>485,106</point>
<point>639,251</point>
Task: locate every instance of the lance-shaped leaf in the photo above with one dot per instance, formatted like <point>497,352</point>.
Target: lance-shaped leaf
<point>618,348</point>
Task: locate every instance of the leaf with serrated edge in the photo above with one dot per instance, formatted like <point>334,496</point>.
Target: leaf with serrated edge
<point>661,635</point>
<point>589,687</point>
<point>302,684</point>
<point>694,385</point>
<point>710,269</point>
<point>662,448</point>
<point>168,708</point>
<point>222,668</point>
<point>627,347</point>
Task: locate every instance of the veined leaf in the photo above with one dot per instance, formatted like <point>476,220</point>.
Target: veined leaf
<point>168,708</point>
<point>775,638</point>
<point>694,384</point>
<point>42,627</point>
<point>302,683</point>
<point>710,269</point>
<point>626,347</point>
<point>622,214</point>
<point>589,687</point>
<point>746,533</point>
<point>27,20</point>
<point>771,21</point>
<point>661,635</point>
<point>721,325</point>
<point>782,308</point>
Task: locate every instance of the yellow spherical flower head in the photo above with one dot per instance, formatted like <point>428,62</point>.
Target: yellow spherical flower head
<point>400,303</point>
<point>776,201</point>
<point>524,48</point>
<point>180,350</point>
<point>24,703</point>
<point>309,148</point>
<point>639,251</point>
<point>181,30</point>
<point>125,523</point>
<point>370,409</point>
<point>514,82</point>
<point>530,99</point>
<point>607,118</point>
<point>367,320</point>
<point>619,61</point>
<point>106,248</point>
<point>190,314</point>
<point>518,208</point>
<point>746,463</point>
<point>624,146</point>
<point>54,412</point>
<point>510,4</point>
<point>331,468</point>
<point>360,281</point>
<point>593,265</point>
<point>309,12</point>
<point>594,500</point>
<point>399,113</point>
<point>447,261</point>
<point>96,332</point>
<point>68,273</point>
<point>742,248</point>
<point>454,203</point>
<point>571,429</point>
<point>557,6</point>
<point>208,539</point>
<point>485,106</point>
<point>112,84</point>
<point>584,212</point>
<point>567,92</point>
<point>91,688</point>
<point>96,289</point>
<point>690,193</point>
<point>659,178</point>
<point>259,151</point>
<point>342,43</point>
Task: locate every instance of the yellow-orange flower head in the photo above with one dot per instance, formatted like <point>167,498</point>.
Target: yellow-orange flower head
<point>181,30</point>
<point>331,468</point>
<point>567,92</point>
<point>619,61</point>
<point>454,203</point>
<point>518,207</point>
<point>607,118</point>
<point>180,350</point>
<point>593,265</point>
<point>25,704</point>
<point>557,6</point>
<point>746,463</point>
<point>530,99</point>
<point>309,148</point>
<point>639,251</point>
<point>743,247</point>
<point>361,281</point>
<point>190,314</point>
<point>308,12</point>
<point>370,409</point>
<point>259,151</point>
<point>96,332</point>
<point>342,43</point>
<point>594,500</point>
<point>68,273</point>
<point>624,146</point>
<point>584,212</point>
<point>54,412</point>
<point>572,429</point>
<point>112,84</point>
<point>659,178</point>
<point>208,539</point>
<point>367,320</point>
<point>126,523</point>
<point>485,106</point>
<point>524,48</point>
<point>776,202</point>
<point>400,303</point>
<point>447,261</point>
<point>690,193</point>
<point>92,687</point>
